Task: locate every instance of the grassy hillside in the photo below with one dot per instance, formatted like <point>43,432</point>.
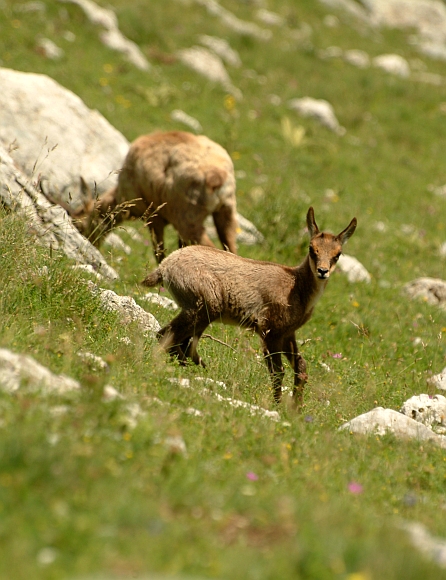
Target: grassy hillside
<point>200,488</point>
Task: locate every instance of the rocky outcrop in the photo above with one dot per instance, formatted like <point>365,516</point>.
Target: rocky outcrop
<point>431,290</point>
<point>49,223</point>
<point>17,370</point>
<point>54,138</point>
<point>380,421</point>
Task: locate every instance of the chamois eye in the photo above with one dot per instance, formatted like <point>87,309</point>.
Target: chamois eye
<point>336,258</point>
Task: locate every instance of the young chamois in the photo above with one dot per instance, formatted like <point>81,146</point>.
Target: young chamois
<point>174,178</point>
<point>274,300</point>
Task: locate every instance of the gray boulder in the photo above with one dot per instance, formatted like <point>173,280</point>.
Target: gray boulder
<point>49,223</point>
<point>54,138</point>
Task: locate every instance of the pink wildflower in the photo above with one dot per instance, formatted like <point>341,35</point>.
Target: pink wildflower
<point>252,476</point>
<point>354,487</point>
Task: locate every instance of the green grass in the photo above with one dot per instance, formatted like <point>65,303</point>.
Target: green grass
<point>85,492</point>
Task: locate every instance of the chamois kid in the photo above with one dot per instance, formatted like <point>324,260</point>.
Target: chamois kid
<point>211,285</point>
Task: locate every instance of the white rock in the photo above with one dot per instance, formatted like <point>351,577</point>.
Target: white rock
<point>31,7</point>
<point>231,21</point>
<point>94,362</point>
<point>17,371</point>
<point>222,48</point>
<point>431,290</point>
<point>331,52</point>
<point>112,240</point>
<point>349,6</point>
<point>115,40</point>
<point>112,36</point>
<point>432,547</point>
<point>380,421</point>
<point>49,49</point>
<point>163,301</point>
<point>247,233</point>
<point>57,137</point>
<point>318,109</point>
<point>393,64</point>
<point>88,268</point>
<point>49,223</point>
<point>431,411</point>
<point>209,65</point>
<point>355,271</point>
<point>270,18</point>
<point>357,58</point>
<point>127,308</point>
<point>426,17</point>
<point>209,381</point>
<point>111,394</point>
<point>182,117</point>
<point>439,381</point>
<point>95,14</point>
<point>438,190</point>
<point>176,445</point>
<point>133,233</point>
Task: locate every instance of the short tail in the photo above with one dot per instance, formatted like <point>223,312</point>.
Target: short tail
<point>153,279</point>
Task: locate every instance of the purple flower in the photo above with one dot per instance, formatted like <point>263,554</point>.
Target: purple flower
<point>337,355</point>
<point>355,487</point>
<point>252,476</point>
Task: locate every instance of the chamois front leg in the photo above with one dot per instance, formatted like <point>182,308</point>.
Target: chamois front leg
<point>272,348</point>
<point>156,227</point>
<point>299,367</point>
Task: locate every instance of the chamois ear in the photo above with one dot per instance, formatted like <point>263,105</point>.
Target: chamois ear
<point>85,188</point>
<point>349,231</point>
<point>311,223</point>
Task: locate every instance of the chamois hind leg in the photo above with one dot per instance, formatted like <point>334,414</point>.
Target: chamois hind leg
<point>272,349</point>
<point>189,347</point>
<point>181,335</point>
<point>299,367</point>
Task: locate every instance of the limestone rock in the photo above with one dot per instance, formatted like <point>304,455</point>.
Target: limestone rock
<point>49,223</point>
<point>182,117</point>
<point>222,48</point>
<point>209,65</point>
<point>127,309</point>
<point>112,240</point>
<point>431,546</point>
<point>49,49</point>
<point>431,290</point>
<point>380,421</point>
<point>163,301</point>
<point>247,233</point>
<point>439,381</point>
<point>56,138</point>
<point>431,411</point>
<point>242,27</point>
<point>111,36</point>
<point>393,64</point>
<point>353,268</point>
<point>318,109</point>
<point>17,371</point>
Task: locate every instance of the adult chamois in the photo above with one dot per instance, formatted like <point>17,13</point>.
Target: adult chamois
<point>170,177</point>
<point>210,285</point>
